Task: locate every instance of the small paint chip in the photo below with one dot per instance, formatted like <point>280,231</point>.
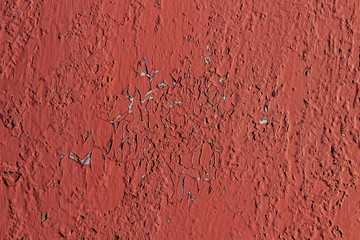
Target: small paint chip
<point>263,121</point>
<point>144,74</point>
<point>163,84</point>
<point>44,217</point>
<point>87,159</point>
<point>170,104</point>
<point>207,60</point>
<point>343,134</point>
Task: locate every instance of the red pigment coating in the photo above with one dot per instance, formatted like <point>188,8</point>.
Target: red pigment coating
<point>179,119</point>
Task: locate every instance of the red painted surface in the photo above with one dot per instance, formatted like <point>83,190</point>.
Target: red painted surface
<point>179,119</point>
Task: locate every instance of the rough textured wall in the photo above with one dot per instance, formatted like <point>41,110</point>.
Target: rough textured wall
<point>191,119</point>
